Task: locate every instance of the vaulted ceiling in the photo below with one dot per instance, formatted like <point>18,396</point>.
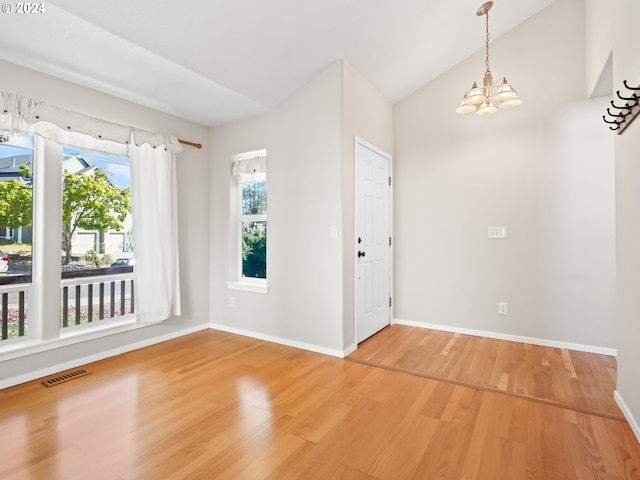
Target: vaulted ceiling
<point>216,61</point>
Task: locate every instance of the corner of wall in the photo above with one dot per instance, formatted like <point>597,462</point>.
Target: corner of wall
<point>599,45</point>
<point>627,414</point>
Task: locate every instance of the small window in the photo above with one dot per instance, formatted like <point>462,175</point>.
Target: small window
<point>248,215</point>
<point>254,229</point>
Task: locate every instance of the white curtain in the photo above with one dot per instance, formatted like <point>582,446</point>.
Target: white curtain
<point>155,230</point>
<point>250,169</point>
<point>153,190</point>
<point>25,115</point>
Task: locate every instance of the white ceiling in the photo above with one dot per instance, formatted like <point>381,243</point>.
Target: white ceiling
<point>216,61</point>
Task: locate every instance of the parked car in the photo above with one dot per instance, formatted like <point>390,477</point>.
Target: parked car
<point>123,262</point>
<point>4,262</point>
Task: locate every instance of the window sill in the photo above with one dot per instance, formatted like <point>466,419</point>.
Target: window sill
<point>248,287</point>
<point>89,331</point>
<point>21,347</point>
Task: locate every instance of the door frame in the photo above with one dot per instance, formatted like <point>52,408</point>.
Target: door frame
<point>360,141</point>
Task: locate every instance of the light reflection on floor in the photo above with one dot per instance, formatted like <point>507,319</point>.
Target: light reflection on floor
<point>80,436</point>
<point>254,404</point>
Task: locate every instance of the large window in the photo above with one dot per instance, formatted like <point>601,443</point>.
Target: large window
<point>78,276</point>
<point>93,252</point>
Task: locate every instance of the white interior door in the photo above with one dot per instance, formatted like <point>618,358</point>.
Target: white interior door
<point>372,240</point>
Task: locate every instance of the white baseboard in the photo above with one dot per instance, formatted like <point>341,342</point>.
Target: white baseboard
<point>61,367</point>
<point>512,338</point>
<point>350,350</point>
<point>627,414</point>
<point>279,340</point>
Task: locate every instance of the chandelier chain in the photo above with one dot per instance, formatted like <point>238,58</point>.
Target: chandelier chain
<point>487,42</point>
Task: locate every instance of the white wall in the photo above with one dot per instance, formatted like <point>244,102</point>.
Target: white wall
<point>193,218</point>
<point>309,142</point>
<point>627,67</point>
<point>304,264</point>
<point>544,170</point>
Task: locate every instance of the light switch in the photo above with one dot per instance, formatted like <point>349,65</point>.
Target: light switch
<point>497,232</point>
<point>334,231</point>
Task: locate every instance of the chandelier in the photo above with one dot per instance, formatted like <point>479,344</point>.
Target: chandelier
<point>483,99</point>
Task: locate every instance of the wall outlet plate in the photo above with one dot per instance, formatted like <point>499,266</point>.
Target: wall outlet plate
<point>503,308</point>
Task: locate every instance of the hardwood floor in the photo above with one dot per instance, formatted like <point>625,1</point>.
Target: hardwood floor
<point>217,406</point>
<point>580,381</point>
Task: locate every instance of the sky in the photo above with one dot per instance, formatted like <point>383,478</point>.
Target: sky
<point>116,167</point>
<point>14,149</point>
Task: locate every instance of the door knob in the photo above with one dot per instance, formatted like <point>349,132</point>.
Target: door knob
<point>361,254</point>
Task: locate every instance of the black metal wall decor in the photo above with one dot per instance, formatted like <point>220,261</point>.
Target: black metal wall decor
<point>625,114</point>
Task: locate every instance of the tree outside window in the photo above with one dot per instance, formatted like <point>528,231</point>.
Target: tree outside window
<point>16,204</point>
<point>96,210</point>
<point>91,202</point>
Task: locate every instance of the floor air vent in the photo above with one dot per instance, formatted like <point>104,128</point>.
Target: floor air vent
<point>64,377</point>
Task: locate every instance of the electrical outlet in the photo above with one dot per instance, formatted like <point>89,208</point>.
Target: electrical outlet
<point>232,302</point>
<point>497,232</point>
<point>503,308</point>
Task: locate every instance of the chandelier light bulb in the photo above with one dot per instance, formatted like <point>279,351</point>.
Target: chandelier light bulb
<point>504,91</point>
<point>465,107</point>
<point>487,108</point>
<point>512,102</point>
<point>475,96</point>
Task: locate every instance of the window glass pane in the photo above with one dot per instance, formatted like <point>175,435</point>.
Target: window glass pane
<point>254,198</point>
<point>254,249</point>
<point>16,207</point>
<point>96,211</point>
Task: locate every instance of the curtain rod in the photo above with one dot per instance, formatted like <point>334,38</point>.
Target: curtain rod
<point>191,144</point>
